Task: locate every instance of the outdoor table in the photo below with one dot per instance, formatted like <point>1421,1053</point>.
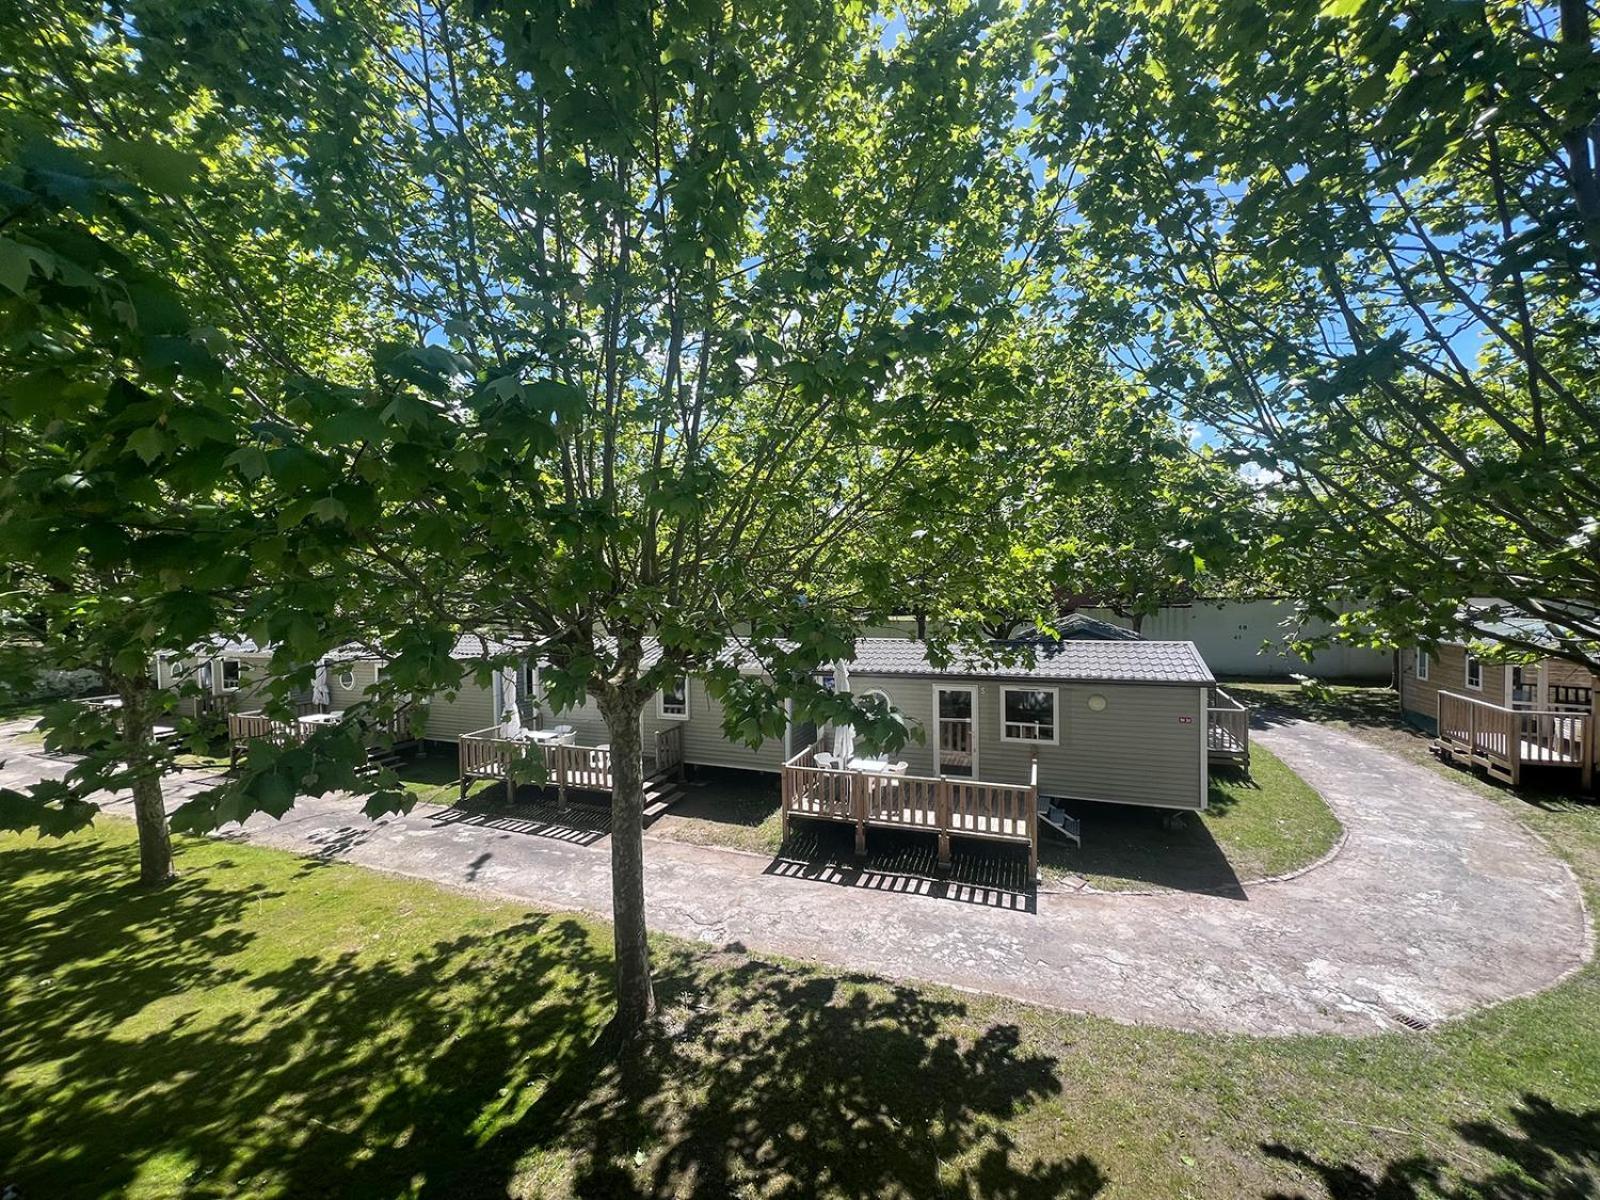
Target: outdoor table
<point>320,719</point>
<point>873,766</point>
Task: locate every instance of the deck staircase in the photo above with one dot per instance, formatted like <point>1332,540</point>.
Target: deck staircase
<point>661,792</point>
<point>379,757</point>
<point>1054,816</point>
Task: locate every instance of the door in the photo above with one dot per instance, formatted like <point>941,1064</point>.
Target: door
<point>956,709</point>
<point>1522,689</point>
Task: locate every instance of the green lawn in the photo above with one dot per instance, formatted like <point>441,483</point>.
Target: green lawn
<point>1254,827</point>
<point>276,1027</point>
<point>433,778</point>
<point>735,809</point>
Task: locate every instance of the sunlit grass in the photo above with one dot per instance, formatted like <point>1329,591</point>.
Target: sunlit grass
<point>276,1027</point>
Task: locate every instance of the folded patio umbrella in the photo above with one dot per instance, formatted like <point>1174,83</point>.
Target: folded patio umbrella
<point>510,714</point>
<point>321,694</point>
<point>844,736</point>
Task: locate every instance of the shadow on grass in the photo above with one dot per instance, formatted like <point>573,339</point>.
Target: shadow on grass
<point>182,1040</point>
<point>744,798</point>
<point>1145,847</point>
<point>1550,1154</point>
<point>812,1086</point>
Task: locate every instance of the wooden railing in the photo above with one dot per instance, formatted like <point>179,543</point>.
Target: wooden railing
<point>1504,739</point>
<point>669,749</point>
<point>1227,729</point>
<point>245,727</point>
<point>587,768</point>
<point>964,808</point>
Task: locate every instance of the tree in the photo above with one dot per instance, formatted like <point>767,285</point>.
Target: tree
<point>1362,243</point>
<point>1143,518</point>
<point>149,328</point>
<point>692,292</point>
<point>115,420</point>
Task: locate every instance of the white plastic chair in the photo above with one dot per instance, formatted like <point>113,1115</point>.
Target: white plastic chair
<point>898,768</point>
<point>562,730</point>
<point>827,761</point>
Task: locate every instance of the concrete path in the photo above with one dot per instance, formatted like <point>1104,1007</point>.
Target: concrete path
<point>1437,904</point>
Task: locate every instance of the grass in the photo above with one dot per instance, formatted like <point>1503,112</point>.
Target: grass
<point>1255,827</point>
<point>277,1027</point>
<point>738,810</point>
<point>433,778</point>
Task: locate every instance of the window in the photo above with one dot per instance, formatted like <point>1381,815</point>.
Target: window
<point>1422,664</point>
<point>1028,715</point>
<point>530,679</point>
<point>672,702</point>
<point>1474,674</point>
<point>347,679</point>
<point>230,674</point>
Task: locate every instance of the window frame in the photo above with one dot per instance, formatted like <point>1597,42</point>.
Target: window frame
<point>348,672</point>
<point>1466,673</point>
<point>661,703</point>
<point>1421,664</point>
<point>238,675</point>
<point>1055,715</point>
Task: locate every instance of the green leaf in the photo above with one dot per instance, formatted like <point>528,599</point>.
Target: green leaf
<point>159,167</point>
<point>148,443</point>
<point>16,264</point>
<point>249,461</point>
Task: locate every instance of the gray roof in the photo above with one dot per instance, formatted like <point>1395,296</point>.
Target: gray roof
<point>1082,627</point>
<point>467,645</point>
<point>1094,661</point>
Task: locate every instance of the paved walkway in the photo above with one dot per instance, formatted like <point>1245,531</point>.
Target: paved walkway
<point>1438,903</point>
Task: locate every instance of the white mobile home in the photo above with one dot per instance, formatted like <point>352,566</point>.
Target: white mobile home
<point>1116,721</point>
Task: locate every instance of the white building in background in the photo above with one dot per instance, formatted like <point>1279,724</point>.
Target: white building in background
<point>1229,635</point>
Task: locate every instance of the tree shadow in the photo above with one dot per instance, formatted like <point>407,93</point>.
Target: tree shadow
<point>728,797</point>
<point>1147,847</point>
<point>186,1033</point>
<point>1549,1153</point>
<point>808,1085</point>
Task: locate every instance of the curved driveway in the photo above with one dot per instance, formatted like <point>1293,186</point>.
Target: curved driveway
<point>1438,903</point>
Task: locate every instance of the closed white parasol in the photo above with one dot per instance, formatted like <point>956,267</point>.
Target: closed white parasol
<point>844,736</point>
<point>511,716</point>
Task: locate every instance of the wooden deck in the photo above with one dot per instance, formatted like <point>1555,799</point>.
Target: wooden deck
<point>243,728</point>
<point>1503,740</point>
<point>1227,730</point>
<point>943,806</point>
<point>487,754</point>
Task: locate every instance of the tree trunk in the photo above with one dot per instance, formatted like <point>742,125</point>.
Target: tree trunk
<point>149,810</point>
<point>636,1000</point>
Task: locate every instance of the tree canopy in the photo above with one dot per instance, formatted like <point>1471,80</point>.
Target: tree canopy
<point>1361,242</point>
